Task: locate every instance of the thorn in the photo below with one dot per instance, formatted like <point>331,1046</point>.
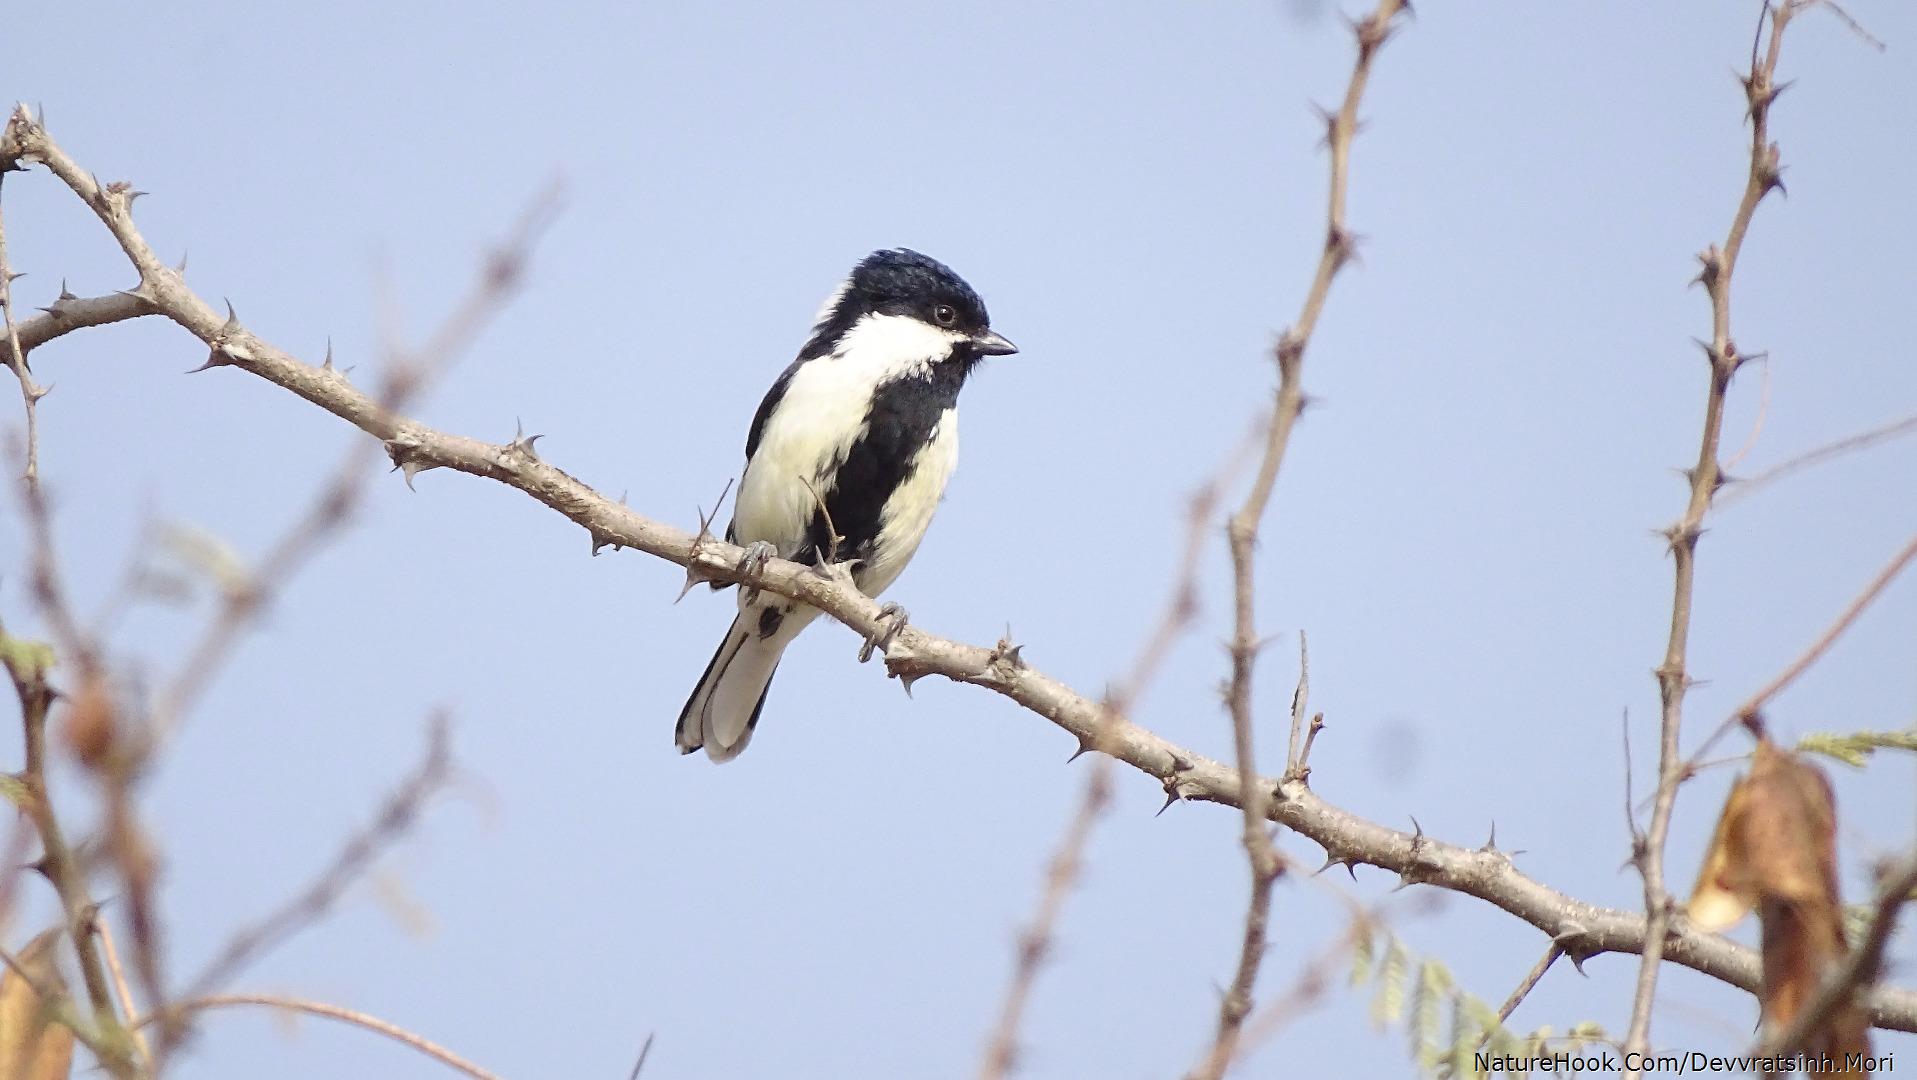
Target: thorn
<point>523,443</point>
<point>1085,746</point>
<point>180,267</point>
<point>232,317</point>
<point>65,293</point>
<point>327,364</point>
<point>1330,120</point>
<point>1491,845</point>
<point>405,457</point>
<point>1172,783</point>
<point>694,574</point>
<point>15,275</point>
<point>601,540</point>
<point>213,360</point>
<point>1417,833</point>
<point>897,667</point>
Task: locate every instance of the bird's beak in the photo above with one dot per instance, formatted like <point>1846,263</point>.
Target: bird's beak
<point>993,343</point>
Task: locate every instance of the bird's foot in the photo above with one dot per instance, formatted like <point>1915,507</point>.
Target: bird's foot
<point>757,554</point>
<point>894,617</point>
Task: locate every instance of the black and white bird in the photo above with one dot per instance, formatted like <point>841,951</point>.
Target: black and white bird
<point>865,421</point>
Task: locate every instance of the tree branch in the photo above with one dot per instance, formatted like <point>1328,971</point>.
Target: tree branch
<point>1673,677</point>
<point>1489,875</point>
<point>70,313</point>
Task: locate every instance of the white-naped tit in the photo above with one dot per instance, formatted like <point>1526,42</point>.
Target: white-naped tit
<point>846,461</point>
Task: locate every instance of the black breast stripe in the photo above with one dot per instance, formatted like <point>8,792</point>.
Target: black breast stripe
<point>903,414</point>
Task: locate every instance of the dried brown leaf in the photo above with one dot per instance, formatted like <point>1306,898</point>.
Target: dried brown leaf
<point>1775,851</point>
<point>32,1047</point>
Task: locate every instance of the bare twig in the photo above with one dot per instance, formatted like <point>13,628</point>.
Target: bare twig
<point>1060,875</point>
<point>644,1053</point>
<point>1181,608</point>
<point>1673,677</point>
<point>396,815</point>
<point>16,355</point>
<point>121,991</point>
<point>334,1012</point>
<point>1529,982</point>
<point>1371,33</point>
<point>1346,837</point>
<point>1310,986</point>
<point>1298,750</point>
<point>1751,707</point>
<point>1757,423</point>
<point>1739,489</point>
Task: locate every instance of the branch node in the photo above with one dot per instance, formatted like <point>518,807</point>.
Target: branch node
<point>405,454</point>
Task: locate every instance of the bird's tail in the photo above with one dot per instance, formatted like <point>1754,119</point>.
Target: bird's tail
<point>725,706</point>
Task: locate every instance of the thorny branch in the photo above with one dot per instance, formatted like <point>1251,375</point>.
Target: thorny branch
<point>1253,795</point>
<point>1587,929</point>
<point>1673,677</point>
<point>1062,872</point>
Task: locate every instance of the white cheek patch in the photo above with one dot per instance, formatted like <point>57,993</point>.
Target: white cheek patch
<point>899,344</point>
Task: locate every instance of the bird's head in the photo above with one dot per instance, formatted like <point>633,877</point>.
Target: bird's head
<point>901,300</point>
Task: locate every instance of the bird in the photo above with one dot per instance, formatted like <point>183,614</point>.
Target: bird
<point>846,461</point>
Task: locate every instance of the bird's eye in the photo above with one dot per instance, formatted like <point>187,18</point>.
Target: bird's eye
<point>944,314</point>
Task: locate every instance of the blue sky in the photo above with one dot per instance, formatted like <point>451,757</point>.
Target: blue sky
<point>1464,528</point>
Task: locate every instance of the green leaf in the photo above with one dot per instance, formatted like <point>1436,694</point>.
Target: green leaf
<point>1363,957</point>
<point>13,789</point>
<point>1387,1007</point>
<point>1857,747</point>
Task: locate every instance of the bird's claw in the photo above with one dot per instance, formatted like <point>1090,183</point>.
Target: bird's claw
<point>757,554</point>
<point>895,618</point>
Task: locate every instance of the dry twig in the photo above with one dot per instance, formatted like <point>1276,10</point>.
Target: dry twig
<point>1181,608</point>
<point>1371,33</point>
<point>396,815</point>
<point>334,1012</point>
